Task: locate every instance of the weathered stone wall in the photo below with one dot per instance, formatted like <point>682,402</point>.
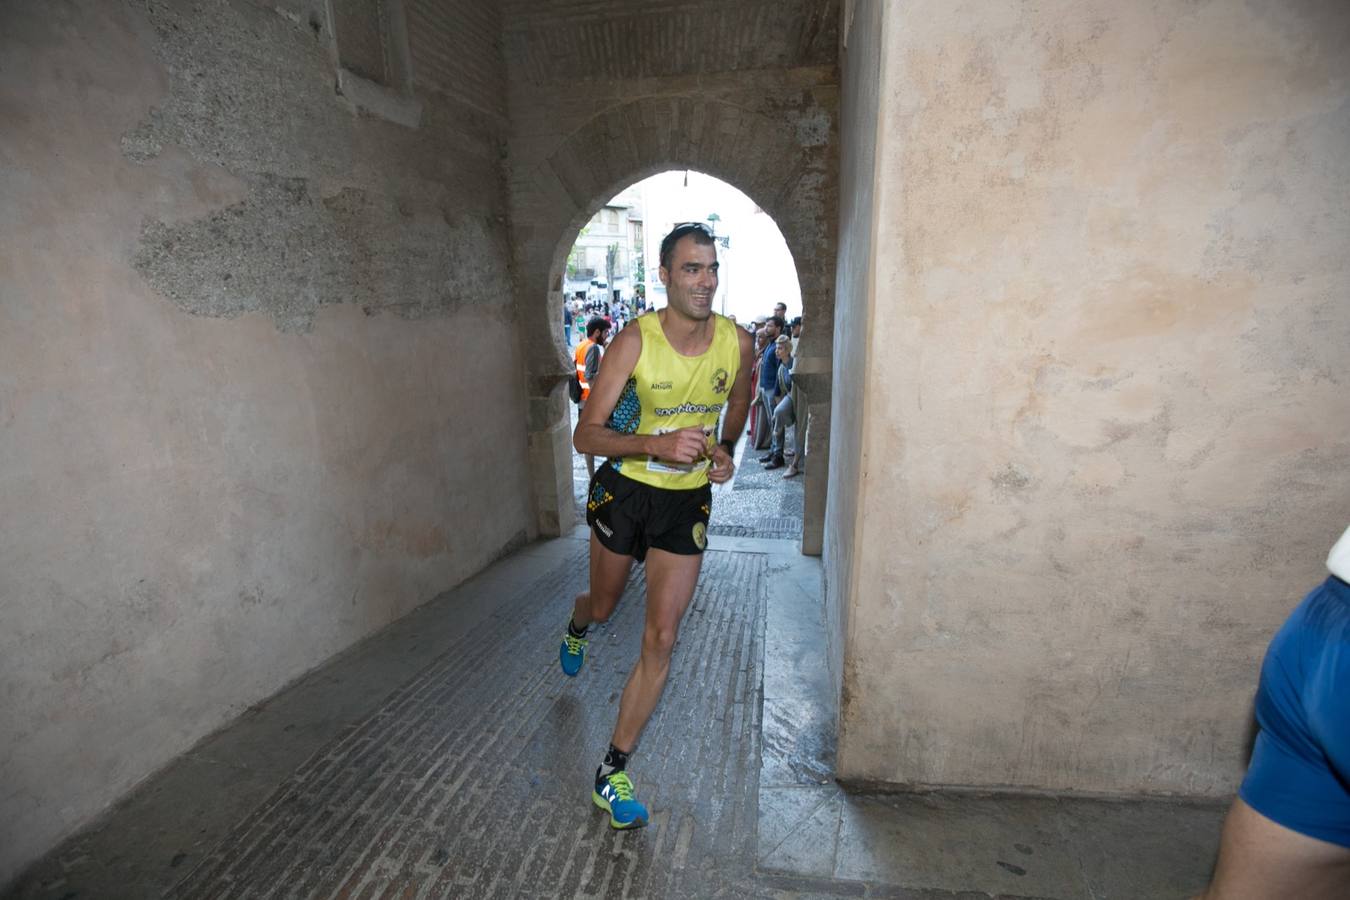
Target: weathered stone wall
<point>1104,432</point>
<point>604,94</point>
<point>257,352</point>
<point>860,66</point>
<point>457,50</point>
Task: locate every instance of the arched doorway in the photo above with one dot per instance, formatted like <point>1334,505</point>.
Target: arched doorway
<point>611,271</point>
<point>562,182</point>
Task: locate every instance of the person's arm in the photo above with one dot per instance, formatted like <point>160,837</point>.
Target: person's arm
<point>738,409</point>
<point>593,436</point>
<point>1261,859</point>
<point>786,369</point>
<point>592,362</point>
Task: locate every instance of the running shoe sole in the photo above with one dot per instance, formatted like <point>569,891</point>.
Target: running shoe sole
<point>614,823</point>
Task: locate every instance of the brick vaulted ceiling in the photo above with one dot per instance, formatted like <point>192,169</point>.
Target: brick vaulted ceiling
<point>548,41</point>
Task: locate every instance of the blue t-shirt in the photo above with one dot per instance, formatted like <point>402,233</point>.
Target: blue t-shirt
<point>768,368</point>
<point>1300,770</point>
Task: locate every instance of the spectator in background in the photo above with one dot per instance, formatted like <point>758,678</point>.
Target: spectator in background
<point>780,310</point>
<point>798,452</point>
<point>768,380</point>
<point>587,357</point>
<point>782,410</point>
<point>1288,832</point>
<point>758,423</point>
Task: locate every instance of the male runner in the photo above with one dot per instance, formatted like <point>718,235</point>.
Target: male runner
<point>653,410</point>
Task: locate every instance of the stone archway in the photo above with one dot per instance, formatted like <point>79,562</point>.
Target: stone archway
<point>781,155</point>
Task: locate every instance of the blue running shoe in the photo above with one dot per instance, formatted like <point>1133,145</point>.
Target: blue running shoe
<point>572,653</point>
<point>614,794</point>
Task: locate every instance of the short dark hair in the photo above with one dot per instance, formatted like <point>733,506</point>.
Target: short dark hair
<point>596,324</point>
<point>778,320</point>
<point>701,233</point>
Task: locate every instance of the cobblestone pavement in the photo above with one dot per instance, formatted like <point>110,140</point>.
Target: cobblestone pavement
<point>447,757</point>
<point>758,503</point>
<point>473,779</point>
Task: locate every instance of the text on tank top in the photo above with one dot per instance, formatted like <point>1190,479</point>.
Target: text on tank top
<point>668,391</point>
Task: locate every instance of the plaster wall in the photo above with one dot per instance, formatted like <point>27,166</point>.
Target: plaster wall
<point>861,31</point>
<point>1107,450</point>
<point>256,353</point>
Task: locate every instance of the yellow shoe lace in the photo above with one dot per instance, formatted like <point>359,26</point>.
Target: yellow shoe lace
<point>623,788</point>
<point>574,644</point>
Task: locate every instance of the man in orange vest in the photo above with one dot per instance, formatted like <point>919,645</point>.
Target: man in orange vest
<point>587,360</point>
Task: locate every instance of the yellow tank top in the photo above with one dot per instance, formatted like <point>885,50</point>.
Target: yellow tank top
<point>669,391</point>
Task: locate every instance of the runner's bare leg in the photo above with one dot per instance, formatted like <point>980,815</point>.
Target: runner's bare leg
<point>671,579</point>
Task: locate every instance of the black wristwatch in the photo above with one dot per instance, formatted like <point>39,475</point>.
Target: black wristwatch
<point>729,446</point>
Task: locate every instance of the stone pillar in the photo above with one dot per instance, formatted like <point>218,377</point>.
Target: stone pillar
<point>550,449</point>
<point>812,377</point>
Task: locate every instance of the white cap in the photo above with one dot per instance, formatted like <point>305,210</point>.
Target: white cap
<point>1338,561</point>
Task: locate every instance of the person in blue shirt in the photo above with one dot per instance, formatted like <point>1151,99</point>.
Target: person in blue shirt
<point>1288,832</point>
<point>768,382</point>
<point>783,412</point>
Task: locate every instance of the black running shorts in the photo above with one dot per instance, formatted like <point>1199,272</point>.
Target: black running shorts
<point>629,517</point>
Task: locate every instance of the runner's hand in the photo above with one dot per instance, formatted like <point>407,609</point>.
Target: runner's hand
<point>684,445</point>
<point>722,465</point>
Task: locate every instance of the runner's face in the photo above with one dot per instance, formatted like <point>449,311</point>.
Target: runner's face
<point>691,280</point>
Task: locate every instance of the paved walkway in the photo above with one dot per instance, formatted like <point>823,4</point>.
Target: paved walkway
<point>472,779</point>
<point>448,757</point>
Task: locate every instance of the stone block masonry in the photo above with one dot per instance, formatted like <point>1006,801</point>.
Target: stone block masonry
<point>456,50</point>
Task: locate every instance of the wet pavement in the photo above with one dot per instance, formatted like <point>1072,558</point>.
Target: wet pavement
<point>448,757</point>
<point>473,778</point>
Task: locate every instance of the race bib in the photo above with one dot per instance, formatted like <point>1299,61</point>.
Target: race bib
<point>698,465</point>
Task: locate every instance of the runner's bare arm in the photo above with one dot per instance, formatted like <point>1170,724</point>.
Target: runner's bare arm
<point>738,408</point>
<point>594,436</point>
<point>738,404</point>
